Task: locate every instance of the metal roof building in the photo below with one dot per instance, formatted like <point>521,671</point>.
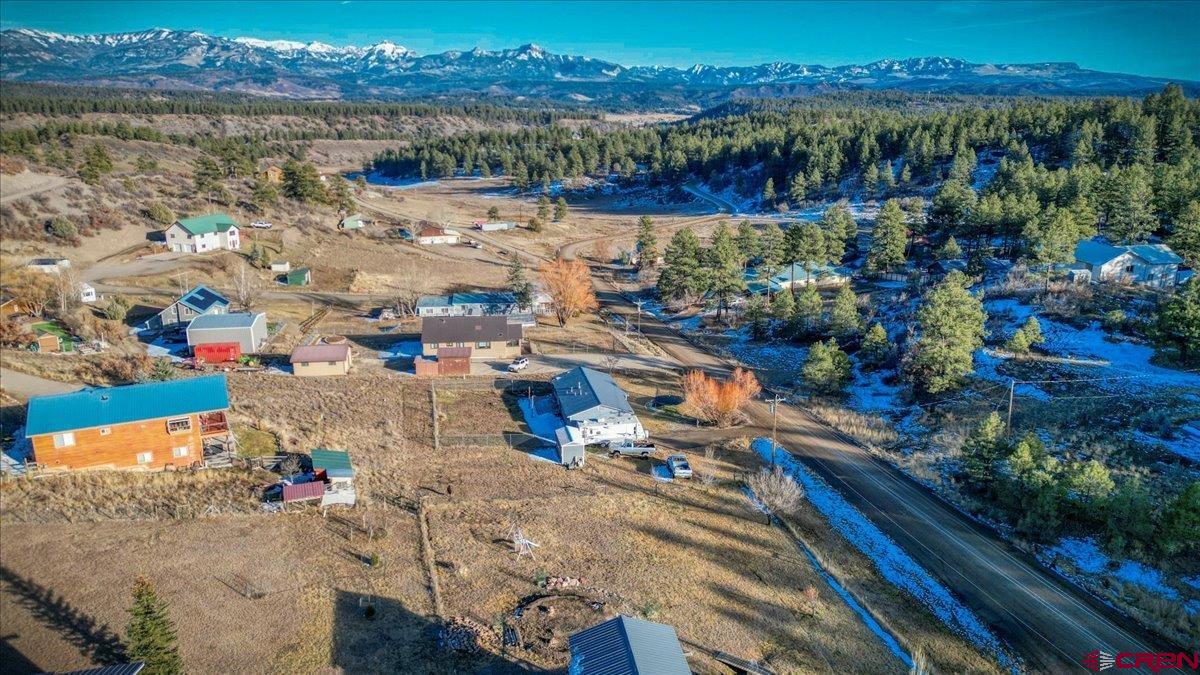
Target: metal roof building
<point>214,222</point>
<point>99,407</point>
<point>335,463</point>
<point>582,389</point>
<point>248,330</point>
<point>627,646</point>
<point>202,298</point>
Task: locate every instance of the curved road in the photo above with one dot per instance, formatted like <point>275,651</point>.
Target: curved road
<point>1047,622</point>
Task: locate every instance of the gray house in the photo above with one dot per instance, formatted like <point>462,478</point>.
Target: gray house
<point>1153,265</point>
<point>248,330</point>
<point>196,302</point>
<point>593,403</point>
<point>627,646</point>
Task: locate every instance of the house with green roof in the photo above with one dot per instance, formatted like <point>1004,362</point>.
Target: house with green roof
<point>213,232</point>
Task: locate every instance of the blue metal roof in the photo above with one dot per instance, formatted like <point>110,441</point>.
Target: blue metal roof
<point>1096,252</point>
<point>580,389</point>
<point>201,298</point>
<point>1156,254</point>
<point>434,301</point>
<point>104,406</point>
<point>627,646</point>
<point>235,320</point>
<point>474,298</point>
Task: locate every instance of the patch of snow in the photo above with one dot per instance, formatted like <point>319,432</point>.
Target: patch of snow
<point>1085,555</point>
<point>1187,447</point>
<point>391,182</point>
<point>173,350</point>
<point>1148,578</point>
<point>1194,582</point>
<point>892,562</point>
<point>869,393</point>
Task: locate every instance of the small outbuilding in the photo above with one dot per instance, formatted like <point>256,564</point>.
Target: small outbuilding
<point>321,359</point>
<point>431,235</point>
<point>454,361</point>
<point>281,267</point>
<point>354,221</point>
<point>301,276</point>
<point>87,293</point>
<point>248,330</point>
<point>303,492</point>
<point>624,645</point>
<point>333,467</point>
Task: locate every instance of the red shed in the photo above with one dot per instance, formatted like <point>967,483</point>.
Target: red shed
<point>218,352</point>
<point>454,361</point>
<point>302,492</point>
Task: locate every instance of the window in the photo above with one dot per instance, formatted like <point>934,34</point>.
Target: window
<point>179,425</point>
<point>64,440</point>
<point>331,363</point>
<point>105,431</point>
<point>181,451</point>
<point>1129,268</point>
<point>483,344</point>
<point>145,457</point>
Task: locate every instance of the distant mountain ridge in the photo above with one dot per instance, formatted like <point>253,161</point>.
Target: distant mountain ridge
<point>173,59</point>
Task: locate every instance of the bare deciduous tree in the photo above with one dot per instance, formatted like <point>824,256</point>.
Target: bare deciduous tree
<point>247,289</point>
<point>411,284</point>
<point>777,491</point>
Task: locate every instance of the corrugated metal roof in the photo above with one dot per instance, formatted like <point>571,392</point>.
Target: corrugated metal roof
<point>213,222</point>
<point>472,298</point>
<point>582,388</point>
<point>303,491</point>
<point>98,407</point>
<point>627,646</point>
<point>469,329</point>
<point>119,669</point>
<point>434,301</point>
<point>213,321</point>
<point>201,298</point>
<point>317,353</point>
<point>1096,252</point>
<point>333,462</point>
<point>1156,254</point>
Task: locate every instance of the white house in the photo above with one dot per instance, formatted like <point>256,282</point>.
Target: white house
<point>796,276</point>
<point>1153,265</point>
<point>213,232</point>
<point>495,225</point>
<point>483,303</point>
<point>49,265</point>
<point>593,403</point>
<point>431,235</point>
<point>87,292</point>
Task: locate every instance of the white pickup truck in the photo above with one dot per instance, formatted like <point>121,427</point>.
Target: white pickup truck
<point>631,448</point>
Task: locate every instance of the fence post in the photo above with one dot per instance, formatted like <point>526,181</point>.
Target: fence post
<point>433,407</point>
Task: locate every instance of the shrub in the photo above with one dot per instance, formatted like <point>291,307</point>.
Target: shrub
<point>719,402</point>
<point>63,228</point>
<point>160,213</point>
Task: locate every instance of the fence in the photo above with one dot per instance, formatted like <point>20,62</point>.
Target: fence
<point>517,440</point>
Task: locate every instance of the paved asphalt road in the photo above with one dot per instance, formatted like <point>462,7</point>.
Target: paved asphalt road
<point>1047,622</point>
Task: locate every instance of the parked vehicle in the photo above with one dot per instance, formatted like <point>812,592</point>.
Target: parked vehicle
<point>261,225</point>
<point>631,448</point>
<point>679,466</point>
<point>474,244</point>
<point>521,363</point>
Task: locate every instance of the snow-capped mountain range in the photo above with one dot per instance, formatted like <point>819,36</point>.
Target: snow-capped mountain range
<point>173,59</point>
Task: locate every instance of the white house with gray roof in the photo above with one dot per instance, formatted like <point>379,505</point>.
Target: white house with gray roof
<point>592,402</point>
<point>624,645</point>
<point>1153,265</point>
<point>248,330</point>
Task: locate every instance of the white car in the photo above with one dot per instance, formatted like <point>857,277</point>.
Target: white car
<point>521,363</point>
<point>261,225</point>
<point>679,466</point>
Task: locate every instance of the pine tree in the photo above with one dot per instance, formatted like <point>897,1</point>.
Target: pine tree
<point>949,250</point>
<point>806,319</point>
<point>747,241</point>
<point>827,368</point>
<point>876,348</point>
<point>493,213</point>
<point>756,317</point>
<point>264,194</point>
<point>543,208</point>
<point>950,328</point>
<point>887,238</point>
<point>783,307</point>
<point>844,322</point>
<point>206,174</point>
<point>768,193</point>
<point>1178,323</point>
<point>952,206</point>
<point>560,209</point>
<point>982,449</point>
<point>805,244</point>
<point>905,174</point>
<point>1129,203</point>
<point>1185,238</point>
<point>519,285</point>
<point>723,263</point>
<point>682,277</point>
<point>647,243</point>
<point>151,636</point>
<point>798,188</point>
<point>840,230</point>
<point>870,180</point>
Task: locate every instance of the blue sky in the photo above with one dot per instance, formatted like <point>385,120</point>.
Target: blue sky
<point>1146,38</point>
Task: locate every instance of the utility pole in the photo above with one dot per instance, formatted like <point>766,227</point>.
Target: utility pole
<point>774,427</point>
<point>639,304</point>
<point>1012,384</point>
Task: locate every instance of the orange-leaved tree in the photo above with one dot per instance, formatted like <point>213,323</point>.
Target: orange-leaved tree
<point>569,286</point>
<point>716,401</point>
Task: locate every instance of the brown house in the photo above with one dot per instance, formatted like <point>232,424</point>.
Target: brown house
<point>323,359</point>
<point>138,426</point>
<point>489,337</point>
<point>272,174</point>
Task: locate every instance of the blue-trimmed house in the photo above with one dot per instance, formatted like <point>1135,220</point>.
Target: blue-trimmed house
<point>199,301</point>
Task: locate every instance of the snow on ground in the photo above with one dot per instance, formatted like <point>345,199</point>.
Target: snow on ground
<point>1187,445</point>
<point>985,171</point>
<point>160,346</point>
<point>776,356</point>
<point>379,180</point>
<point>985,367</point>
<point>1085,555</point>
<point>885,637</point>
<point>1194,582</point>
<point>869,393</point>
<point>17,453</point>
<point>892,562</point>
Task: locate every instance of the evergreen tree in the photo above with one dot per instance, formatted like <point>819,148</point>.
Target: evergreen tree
<point>543,208</point>
<point>535,224</point>
<point>870,180</point>
<point>519,285</point>
<point>1178,323</point>
<point>724,267</point>
<point>264,194</point>
<point>1089,481</point>
<point>1128,204</point>
<point>950,328</point>
<point>682,277</point>
<point>844,322</point>
<point>1185,237</point>
<point>783,307</point>
<point>952,207</point>
<point>887,238</point>
<point>982,449</point>
<point>798,188</point>
<point>805,243</point>
<point>1180,529</point>
<point>560,209</point>
<point>206,174</point>
<point>302,183</point>
<point>840,230</point>
<point>949,250</point>
<point>493,213</point>
<point>876,348</point>
<point>747,242</point>
<point>806,318</point>
<point>827,368</point>
<point>151,636</point>
<point>768,193</point>
<point>756,317</point>
<point>905,175</point>
<point>647,243</point>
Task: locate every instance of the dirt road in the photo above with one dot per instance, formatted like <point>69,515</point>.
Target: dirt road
<point>23,387</point>
<point>27,184</point>
<point>1047,622</point>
